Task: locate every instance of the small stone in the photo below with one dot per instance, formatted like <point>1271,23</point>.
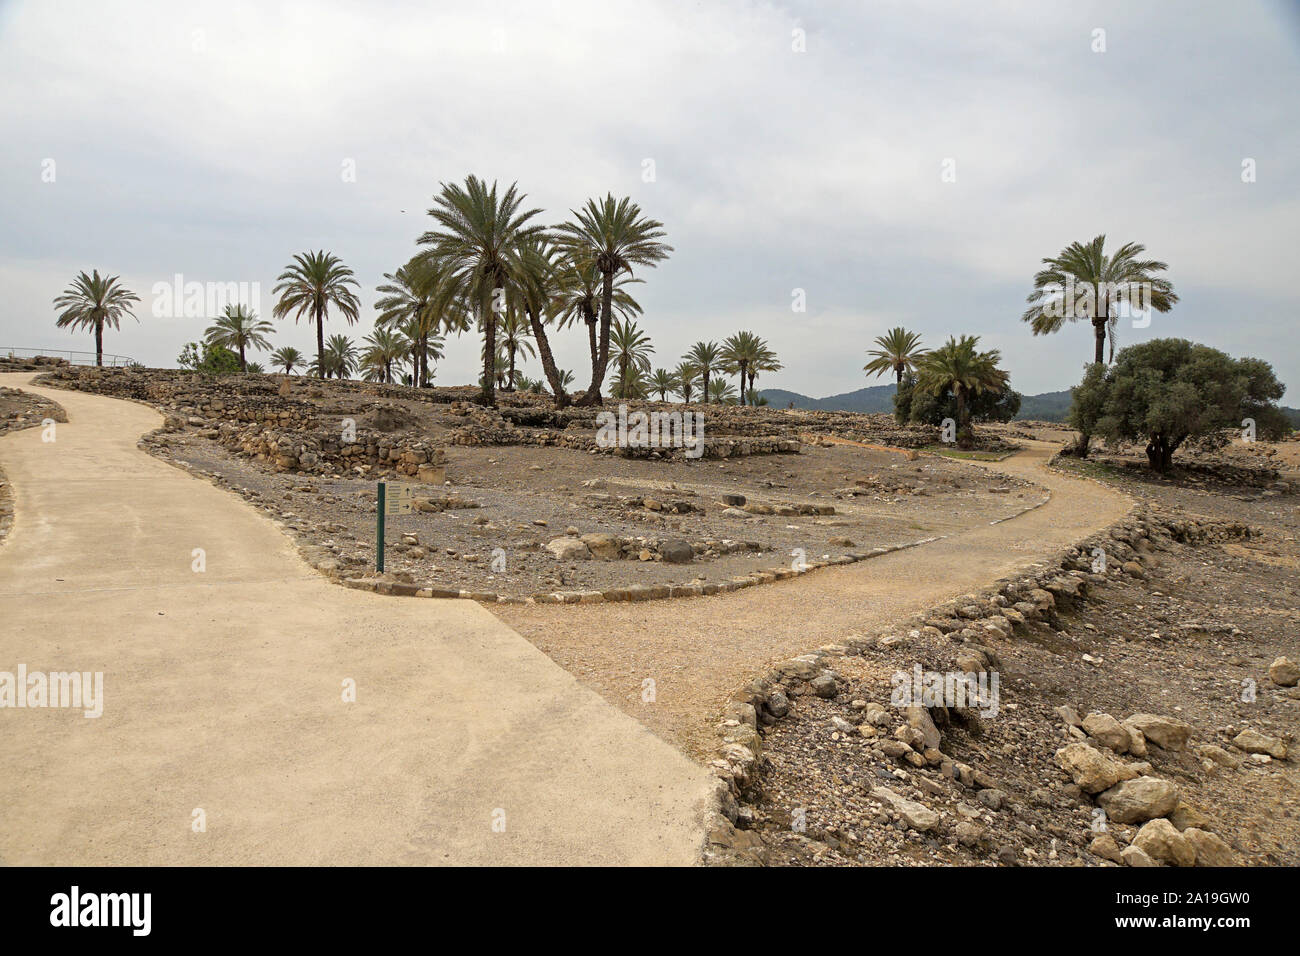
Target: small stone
<point>1254,742</point>
<point>1136,856</point>
<point>1103,845</point>
<point>916,815</point>
<point>825,686</point>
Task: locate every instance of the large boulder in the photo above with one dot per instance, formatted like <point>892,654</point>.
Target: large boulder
<point>602,545</point>
<point>1160,840</point>
<point>1284,672</point>
<point>1107,731</point>
<point>1092,770</point>
<point>676,551</point>
<point>1210,849</point>
<point>1165,732</point>
<point>919,718</point>
<point>1139,800</point>
<point>569,549</point>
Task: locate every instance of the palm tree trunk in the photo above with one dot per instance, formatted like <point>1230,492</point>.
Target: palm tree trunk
<point>99,342</point>
<point>963,439</point>
<point>705,397</point>
<point>548,361</point>
<point>243,365</point>
<point>320,344</point>
<point>1099,331</point>
<point>602,360</point>
<point>489,396</point>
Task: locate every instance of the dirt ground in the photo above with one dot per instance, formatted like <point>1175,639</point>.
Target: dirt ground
<point>508,502</point>
<point>1192,641</point>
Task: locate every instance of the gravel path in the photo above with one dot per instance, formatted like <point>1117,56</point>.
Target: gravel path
<point>698,651</point>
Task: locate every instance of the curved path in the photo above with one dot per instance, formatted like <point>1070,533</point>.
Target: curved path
<point>698,651</point>
<point>223,692</point>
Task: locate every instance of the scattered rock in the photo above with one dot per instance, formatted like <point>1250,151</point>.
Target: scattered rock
<point>1139,800</point>
<point>1284,672</point>
<point>1165,732</point>
<point>1161,841</point>
<point>1254,742</point>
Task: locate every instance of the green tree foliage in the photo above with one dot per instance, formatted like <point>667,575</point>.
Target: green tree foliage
<point>208,359</point>
<point>1167,391</point>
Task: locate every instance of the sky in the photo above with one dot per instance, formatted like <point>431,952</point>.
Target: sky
<point>884,163</point>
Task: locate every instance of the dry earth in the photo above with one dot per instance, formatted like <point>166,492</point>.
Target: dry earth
<point>1192,639</point>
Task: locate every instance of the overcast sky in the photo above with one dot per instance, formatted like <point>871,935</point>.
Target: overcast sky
<point>215,141</point>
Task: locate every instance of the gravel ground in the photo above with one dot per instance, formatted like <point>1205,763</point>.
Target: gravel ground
<point>1185,642</point>
<point>519,498</point>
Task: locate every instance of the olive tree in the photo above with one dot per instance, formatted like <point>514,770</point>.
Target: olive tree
<point>1167,391</point>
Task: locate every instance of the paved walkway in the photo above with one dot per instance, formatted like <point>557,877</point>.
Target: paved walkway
<point>223,693</point>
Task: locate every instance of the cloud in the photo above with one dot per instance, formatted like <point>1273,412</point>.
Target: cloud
<point>212,140</point>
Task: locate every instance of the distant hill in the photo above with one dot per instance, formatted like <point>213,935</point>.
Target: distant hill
<point>877,398</point>
<point>1047,407</point>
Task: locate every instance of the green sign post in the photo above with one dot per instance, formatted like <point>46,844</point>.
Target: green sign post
<point>379,529</point>
<point>400,502</point>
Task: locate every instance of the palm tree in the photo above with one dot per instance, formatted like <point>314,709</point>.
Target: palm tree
<point>579,294</point>
<point>238,329</point>
<point>1082,282</point>
<point>898,350</point>
<point>340,358</point>
<point>476,241</point>
<point>721,392</point>
<point>287,357</point>
<point>705,357</point>
<point>663,382</point>
<point>739,353</point>
<point>630,347</point>
<point>415,300</point>
<point>766,361</point>
<point>540,291</point>
<point>958,367</point>
<point>255,367</point>
<point>630,383</point>
<point>612,235</point>
<point>423,344</point>
<point>384,348</point>
<point>685,375</point>
<point>93,302</point>
<point>309,286</point>
<point>514,339</point>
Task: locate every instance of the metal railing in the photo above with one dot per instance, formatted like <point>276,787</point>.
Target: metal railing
<point>73,357</point>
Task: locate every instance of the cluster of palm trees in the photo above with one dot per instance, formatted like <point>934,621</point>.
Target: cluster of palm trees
<point>957,367</point>
<point>698,373</point>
